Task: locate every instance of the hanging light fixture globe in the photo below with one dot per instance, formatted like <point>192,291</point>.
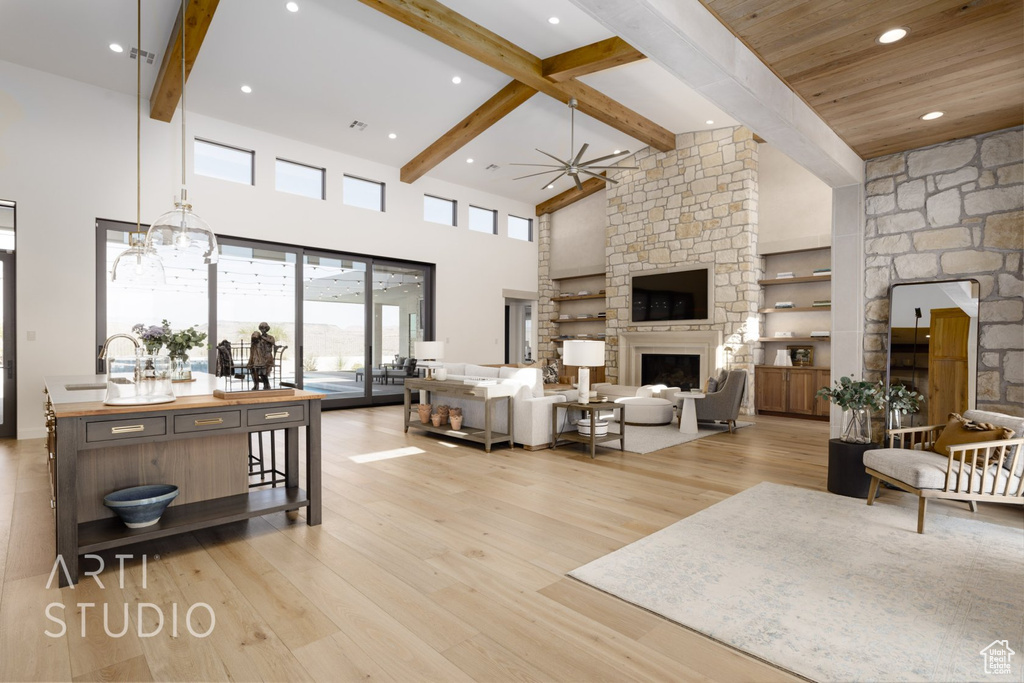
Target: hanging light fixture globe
<point>180,233</point>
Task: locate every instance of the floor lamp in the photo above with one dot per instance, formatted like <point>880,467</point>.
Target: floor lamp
<point>585,355</point>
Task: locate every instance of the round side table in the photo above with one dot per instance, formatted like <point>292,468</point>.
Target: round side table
<point>846,475</point>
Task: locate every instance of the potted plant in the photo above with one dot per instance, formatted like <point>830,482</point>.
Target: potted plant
<point>179,344</point>
<point>901,401</point>
<point>857,398</point>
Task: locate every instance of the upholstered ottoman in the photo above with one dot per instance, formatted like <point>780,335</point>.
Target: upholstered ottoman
<point>647,411</point>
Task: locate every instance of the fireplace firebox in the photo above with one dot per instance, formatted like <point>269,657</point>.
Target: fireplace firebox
<point>671,369</point>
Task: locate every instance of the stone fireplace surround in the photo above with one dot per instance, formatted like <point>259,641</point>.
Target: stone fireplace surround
<point>632,345</point>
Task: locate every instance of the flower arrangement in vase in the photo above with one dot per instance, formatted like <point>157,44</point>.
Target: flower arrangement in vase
<point>153,337</point>
<point>856,398</point>
<point>901,401</point>
<point>178,345</point>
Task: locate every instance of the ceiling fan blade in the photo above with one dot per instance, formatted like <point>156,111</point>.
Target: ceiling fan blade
<point>616,168</point>
<point>579,155</point>
<point>588,162</point>
<point>576,179</point>
<point>552,182</point>
<point>602,177</point>
<point>531,175</point>
<point>539,165</point>
<point>552,156</point>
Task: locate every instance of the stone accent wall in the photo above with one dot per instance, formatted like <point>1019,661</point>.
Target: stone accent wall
<point>695,205</point>
<point>546,330</point>
<point>946,212</point>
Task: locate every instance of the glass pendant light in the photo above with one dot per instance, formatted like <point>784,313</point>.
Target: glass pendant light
<point>139,264</point>
<point>180,232</point>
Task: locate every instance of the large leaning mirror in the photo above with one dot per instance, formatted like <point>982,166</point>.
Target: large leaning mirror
<point>933,347</point>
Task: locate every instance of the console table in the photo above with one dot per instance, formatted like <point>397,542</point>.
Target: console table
<point>489,394</point>
<point>198,443</point>
<point>593,409</point>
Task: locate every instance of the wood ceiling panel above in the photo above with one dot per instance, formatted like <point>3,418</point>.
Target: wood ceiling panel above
<point>964,58</point>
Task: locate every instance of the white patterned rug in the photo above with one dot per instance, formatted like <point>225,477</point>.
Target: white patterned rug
<point>831,589</point>
<point>648,439</point>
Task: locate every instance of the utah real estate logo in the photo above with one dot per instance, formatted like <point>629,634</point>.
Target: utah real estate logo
<point>997,657</point>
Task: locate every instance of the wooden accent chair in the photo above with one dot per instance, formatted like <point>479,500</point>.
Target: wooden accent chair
<point>989,471</point>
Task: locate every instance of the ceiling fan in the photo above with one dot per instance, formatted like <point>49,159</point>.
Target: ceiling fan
<point>573,166</point>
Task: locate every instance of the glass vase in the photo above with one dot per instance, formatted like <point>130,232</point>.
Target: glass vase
<point>856,426</point>
<point>181,369</point>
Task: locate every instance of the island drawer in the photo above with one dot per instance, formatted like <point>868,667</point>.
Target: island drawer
<point>113,430</point>
<point>276,415</point>
<point>205,422</point>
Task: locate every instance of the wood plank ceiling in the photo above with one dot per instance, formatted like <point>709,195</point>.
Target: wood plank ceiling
<point>964,58</point>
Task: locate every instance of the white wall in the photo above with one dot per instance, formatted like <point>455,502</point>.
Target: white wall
<point>578,237</point>
<point>794,207</point>
<point>67,157</point>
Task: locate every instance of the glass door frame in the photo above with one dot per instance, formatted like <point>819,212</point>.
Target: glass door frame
<point>9,428</point>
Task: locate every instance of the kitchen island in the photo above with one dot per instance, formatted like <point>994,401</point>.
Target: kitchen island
<point>197,442</point>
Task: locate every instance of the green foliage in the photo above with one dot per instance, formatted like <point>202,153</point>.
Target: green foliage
<point>181,342</point>
<point>851,394</point>
<point>309,363</point>
<point>903,400</point>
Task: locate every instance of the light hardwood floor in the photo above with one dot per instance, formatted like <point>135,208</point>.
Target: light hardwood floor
<point>442,563</point>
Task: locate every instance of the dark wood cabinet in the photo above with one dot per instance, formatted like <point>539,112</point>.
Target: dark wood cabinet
<point>790,391</point>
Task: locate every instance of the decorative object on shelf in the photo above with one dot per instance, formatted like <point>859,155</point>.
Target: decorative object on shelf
<point>584,355</point>
<point>180,232</point>
<point>442,411</point>
<point>857,398</point>
<point>178,345</point>
<point>782,358</point>
<point>901,401</point>
<point>139,264</point>
<point>423,409</point>
<point>573,166</point>
<point>801,356</point>
<point>441,374</point>
<point>822,271</point>
<point>435,419</point>
<point>785,275</point>
<point>783,335</point>
<point>141,506</point>
<point>430,351</point>
<point>455,417</point>
<point>822,302</point>
<point>821,333</point>
<point>784,304</point>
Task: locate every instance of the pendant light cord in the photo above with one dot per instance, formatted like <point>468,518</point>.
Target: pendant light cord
<point>184,192</point>
<point>138,118</point>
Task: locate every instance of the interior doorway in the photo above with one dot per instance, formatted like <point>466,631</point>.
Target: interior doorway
<point>520,331</point>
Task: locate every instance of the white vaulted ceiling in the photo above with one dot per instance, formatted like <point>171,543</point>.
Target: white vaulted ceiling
<point>334,61</point>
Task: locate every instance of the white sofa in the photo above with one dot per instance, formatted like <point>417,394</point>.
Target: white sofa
<point>531,408</point>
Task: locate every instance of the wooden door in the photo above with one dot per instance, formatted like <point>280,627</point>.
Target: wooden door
<point>770,389</point>
<point>800,390</point>
<point>823,378</point>
<point>947,363</point>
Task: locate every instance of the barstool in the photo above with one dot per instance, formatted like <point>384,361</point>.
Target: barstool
<point>257,460</point>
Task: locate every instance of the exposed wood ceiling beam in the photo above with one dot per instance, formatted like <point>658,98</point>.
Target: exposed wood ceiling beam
<point>167,89</point>
<point>458,32</point>
<point>489,113</point>
<point>589,59</point>
<point>570,196</point>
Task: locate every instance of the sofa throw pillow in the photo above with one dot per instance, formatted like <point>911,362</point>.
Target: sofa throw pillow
<point>550,374</point>
<point>711,386</point>
<point>960,430</point>
<point>721,377</point>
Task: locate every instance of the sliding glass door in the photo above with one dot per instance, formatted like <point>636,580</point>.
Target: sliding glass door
<point>397,324</point>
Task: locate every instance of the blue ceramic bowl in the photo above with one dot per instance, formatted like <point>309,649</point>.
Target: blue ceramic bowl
<point>141,506</point>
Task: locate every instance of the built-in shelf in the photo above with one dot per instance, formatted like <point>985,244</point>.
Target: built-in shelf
<point>577,297</point>
<point>798,309</point>
<point>795,280</point>
<point>794,339</point>
<point>110,532</point>
<point>589,319</point>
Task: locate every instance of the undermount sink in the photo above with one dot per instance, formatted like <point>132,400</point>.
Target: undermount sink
<point>85,387</point>
<point>137,400</point>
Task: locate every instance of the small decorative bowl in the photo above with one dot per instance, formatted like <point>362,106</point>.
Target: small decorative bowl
<point>141,506</point>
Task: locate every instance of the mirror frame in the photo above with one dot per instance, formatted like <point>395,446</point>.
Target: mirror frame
<point>975,284</point>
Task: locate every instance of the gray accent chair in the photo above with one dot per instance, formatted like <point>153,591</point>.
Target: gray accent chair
<point>723,405</point>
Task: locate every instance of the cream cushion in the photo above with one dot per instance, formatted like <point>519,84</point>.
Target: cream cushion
<point>647,411</point>
<point>927,470</point>
<point>1008,422</point>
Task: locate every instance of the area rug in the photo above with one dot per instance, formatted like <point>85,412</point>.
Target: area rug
<point>648,439</point>
<point>831,589</point>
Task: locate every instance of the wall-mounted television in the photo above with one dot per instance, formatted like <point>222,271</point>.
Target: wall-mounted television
<point>669,296</point>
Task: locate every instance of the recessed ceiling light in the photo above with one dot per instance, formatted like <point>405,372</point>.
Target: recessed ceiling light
<point>246,89</point>
<point>470,160</point>
<point>549,186</point>
<point>392,135</point>
<point>892,35</point>
<point>114,47</point>
<point>292,6</point>
<point>617,152</point>
<point>456,80</point>
<point>553,20</point>
<point>710,122</point>
<point>932,115</point>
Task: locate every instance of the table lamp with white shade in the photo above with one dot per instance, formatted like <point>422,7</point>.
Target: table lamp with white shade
<point>584,355</point>
<point>429,351</point>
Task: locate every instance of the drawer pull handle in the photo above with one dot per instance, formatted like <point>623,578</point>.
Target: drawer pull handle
<point>127,429</point>
<point>211,421</point>
<point>276,416</point>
